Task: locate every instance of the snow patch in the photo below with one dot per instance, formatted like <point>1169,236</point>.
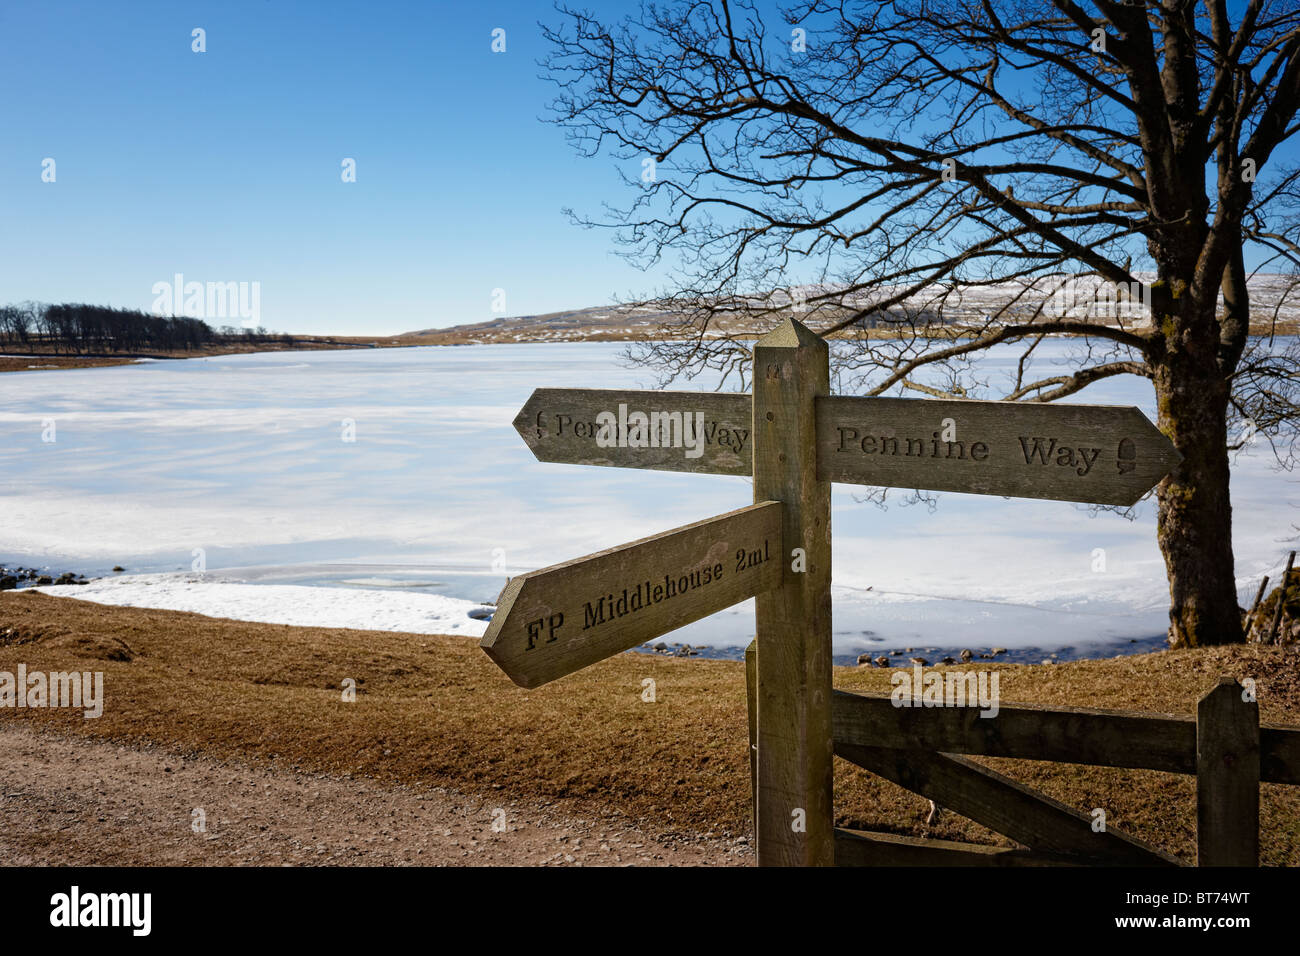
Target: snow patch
<point>363,609</point>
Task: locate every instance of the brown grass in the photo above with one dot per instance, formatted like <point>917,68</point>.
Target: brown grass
<point>15,357</point>
<point>25,363</point>
<point>434,711</point>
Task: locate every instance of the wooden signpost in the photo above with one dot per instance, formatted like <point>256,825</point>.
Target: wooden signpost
<point>1095,453</point>
<point>793,622</point>
<point>564,425</point>
<point>558,620</point>
<point>794,438</point>
<point>1100,454</point>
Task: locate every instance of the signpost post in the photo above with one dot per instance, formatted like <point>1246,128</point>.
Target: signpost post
<point>794,438</point>
<point>795,749</point>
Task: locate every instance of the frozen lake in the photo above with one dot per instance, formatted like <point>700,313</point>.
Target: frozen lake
<point>241,462</point>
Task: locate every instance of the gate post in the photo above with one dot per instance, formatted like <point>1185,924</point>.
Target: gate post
<point>751,707</point>
<point>1227,777</point>
<point>795,750</point>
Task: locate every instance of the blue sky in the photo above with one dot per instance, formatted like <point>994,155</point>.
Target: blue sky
<point>225,166</point>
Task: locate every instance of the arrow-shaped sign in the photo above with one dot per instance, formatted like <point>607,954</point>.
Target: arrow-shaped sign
<point>667,431</point>
<point>560,619</point>
<point>1102,454</point>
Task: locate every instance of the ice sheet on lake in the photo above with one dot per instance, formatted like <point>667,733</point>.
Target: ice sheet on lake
<point>242,460</point>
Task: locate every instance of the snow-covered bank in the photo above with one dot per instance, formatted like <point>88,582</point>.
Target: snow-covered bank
<point>371,610</point>
<point>865,621</point>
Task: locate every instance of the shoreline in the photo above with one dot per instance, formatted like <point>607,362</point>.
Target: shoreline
<point>22,361</point>
<point>247,601</point>
<point>937,655</point>
<point>19,360</point>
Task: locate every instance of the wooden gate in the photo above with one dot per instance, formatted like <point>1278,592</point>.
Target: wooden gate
<point>925,750</point>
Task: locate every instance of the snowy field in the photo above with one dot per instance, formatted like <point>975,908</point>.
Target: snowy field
<point>238,467</point>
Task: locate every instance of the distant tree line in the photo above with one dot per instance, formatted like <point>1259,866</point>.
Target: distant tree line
<point>82,329</point>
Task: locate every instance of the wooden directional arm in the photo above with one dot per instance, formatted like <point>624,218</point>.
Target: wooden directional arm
<point>1092,453</point>
<point>552,622</point>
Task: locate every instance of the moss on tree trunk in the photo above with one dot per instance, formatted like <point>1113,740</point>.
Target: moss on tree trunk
<point>1195,514</point>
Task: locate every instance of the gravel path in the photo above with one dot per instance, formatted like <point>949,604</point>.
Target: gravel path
<point>78,801</point>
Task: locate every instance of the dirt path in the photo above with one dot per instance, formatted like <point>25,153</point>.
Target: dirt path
<point>76,801</point>
<point>288,769</point>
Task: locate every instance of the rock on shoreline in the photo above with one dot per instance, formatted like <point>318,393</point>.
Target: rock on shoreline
<point>15,578</point>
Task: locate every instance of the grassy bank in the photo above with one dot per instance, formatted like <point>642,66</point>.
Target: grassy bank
<point>15,357</point>
<point>433,711</point>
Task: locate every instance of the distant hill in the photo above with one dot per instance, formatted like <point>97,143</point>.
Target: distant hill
<point>595,324</point>
<point>618,323</point>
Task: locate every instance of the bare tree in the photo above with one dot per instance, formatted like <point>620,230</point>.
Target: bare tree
<point>15,323</point>
<point>932,175</point>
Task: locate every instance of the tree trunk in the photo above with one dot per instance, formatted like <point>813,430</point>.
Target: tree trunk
<point>1195,519</point>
